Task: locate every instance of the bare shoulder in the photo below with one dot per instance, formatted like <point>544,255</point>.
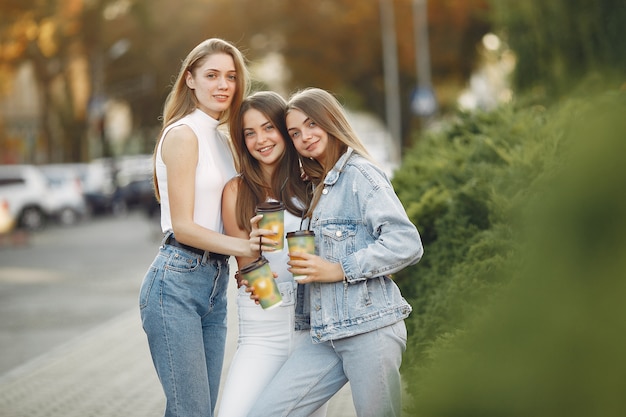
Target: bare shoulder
<point>179,143</point>
<point>231,189</point>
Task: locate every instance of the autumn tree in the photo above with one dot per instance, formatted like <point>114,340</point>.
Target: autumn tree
<point>130,50</point>
<point>47,34</point>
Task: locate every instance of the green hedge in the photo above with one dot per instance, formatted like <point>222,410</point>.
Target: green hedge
<point>477,191</point>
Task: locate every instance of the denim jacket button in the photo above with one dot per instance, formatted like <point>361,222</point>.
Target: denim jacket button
<point>325,191</point>
<point>318,308</point>
<point>338,233</point>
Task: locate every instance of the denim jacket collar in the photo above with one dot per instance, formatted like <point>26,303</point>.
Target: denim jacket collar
<point>333,174</point>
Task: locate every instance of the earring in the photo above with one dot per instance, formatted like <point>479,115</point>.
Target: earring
<point>303,175</point>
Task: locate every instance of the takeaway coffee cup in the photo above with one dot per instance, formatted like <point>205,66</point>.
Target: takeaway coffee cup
<point>273,219</point>
<point>301,241</point>
<point>260,276</point>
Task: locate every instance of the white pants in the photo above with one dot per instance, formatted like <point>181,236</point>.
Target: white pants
<point>266,338</point>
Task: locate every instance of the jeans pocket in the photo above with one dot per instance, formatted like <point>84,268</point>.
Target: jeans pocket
<point>399,329</point>
<point>146,286</point>
<point>287,292</point>
<point>180,261</point>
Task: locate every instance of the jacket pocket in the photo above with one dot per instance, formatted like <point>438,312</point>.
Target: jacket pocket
<point>338,240</point>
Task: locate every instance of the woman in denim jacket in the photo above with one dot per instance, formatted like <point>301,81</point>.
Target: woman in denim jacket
<point>356,311</point>
<point>268,167</point>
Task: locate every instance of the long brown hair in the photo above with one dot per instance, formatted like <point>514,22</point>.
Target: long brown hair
<point>285,184</point>
<point>182,100</point>
<point>326,111</point>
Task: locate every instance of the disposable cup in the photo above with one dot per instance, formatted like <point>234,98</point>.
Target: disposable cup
<point>273,219</point>
<point>260,276</point>
<point>300,241</point>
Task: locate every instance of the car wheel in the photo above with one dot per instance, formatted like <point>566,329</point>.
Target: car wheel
<point>32,218</point>
<point>68,217</point>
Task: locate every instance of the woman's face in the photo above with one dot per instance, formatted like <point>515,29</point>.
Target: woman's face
<point>214,84</point>
<point>263,139</point>
<point>309,139</point>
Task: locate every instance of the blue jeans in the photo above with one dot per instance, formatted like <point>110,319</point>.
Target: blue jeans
<point>183,311</point>
<point>315,372</point>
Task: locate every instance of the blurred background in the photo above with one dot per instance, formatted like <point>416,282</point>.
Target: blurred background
<point>501,123</point>
<point>84,79</point>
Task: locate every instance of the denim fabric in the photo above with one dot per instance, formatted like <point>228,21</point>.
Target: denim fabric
<point>360,223</point>
<point>302,312</point>
<point>266,338</point>
<point>316,371</point>
<point>183,311</point>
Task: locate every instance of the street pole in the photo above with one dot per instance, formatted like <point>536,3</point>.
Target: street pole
<point>424,103</point>
<point>420,11</point>
<point>392,83</point>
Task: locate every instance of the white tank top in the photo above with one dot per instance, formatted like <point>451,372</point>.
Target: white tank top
<point>215,168</point>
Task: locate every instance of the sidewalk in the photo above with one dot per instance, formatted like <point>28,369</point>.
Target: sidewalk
<point>107,372</point>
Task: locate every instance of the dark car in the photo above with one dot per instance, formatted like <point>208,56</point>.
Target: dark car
<point>138,194</point>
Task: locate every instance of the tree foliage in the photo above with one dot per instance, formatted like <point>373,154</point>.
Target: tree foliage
<point>528,321</point>
<point>461,187</point>
<point>330,44</point>
<point>560,42</point>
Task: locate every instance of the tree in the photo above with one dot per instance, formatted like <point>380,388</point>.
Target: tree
<point>47,37</point>
<point>560,42</point>
<point>332,44</point>
<point>336,44</point>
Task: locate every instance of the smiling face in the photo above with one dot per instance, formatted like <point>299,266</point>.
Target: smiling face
<point>263,139</point>
<point>214,84</point>
<point>309,139</point>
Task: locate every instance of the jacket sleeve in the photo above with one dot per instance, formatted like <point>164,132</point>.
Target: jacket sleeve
<point>395,242</point>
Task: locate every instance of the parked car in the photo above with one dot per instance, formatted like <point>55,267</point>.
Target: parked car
<point>67,202</point>
<point>138,194</point>
<point>25,189</point>
<point>100,187</point>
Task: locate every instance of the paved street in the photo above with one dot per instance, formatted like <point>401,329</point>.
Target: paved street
<point>71,342</point>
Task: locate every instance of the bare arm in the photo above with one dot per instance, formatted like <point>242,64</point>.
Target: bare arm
<point>231,228</point>
<point>180,155</point>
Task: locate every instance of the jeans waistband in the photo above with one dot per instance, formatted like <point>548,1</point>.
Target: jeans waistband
<point>171,240</point>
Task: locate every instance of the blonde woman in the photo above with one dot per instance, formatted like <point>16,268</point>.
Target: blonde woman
<point>183,294</point>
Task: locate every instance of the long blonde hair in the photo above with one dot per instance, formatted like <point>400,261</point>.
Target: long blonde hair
<point>182,100</point>
<point>325,110</point>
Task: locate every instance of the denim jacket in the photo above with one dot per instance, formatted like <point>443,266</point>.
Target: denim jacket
<point>360,223</point>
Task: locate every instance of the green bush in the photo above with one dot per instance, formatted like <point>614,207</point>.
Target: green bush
<point>459,187</point>
<point>470,188</point>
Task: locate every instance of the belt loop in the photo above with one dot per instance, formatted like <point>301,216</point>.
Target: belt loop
<point>166,237</point>
<point>206,257</point>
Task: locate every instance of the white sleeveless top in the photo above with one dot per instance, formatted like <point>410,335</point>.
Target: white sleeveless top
<point>215,168</point>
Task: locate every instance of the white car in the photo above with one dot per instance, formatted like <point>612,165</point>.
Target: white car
<point>66,202</point>
<point>25,189</point>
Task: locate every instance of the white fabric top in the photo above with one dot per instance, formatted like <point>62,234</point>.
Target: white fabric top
<point>215,168</point>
